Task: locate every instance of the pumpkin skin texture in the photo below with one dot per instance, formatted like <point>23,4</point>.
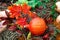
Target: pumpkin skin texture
<point>58,37</point>
<point>37,26</point>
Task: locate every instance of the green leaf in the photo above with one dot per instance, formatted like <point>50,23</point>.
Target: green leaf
<point>33,3</point>
<point>44,6</point>
<point>29,36</point>
<point>39,3</point>
<point>46,1</point>
<point>58,31</point>
<point>53,7</point>
<point>55,0</point>
<point>21,1</point>
<point>53,12</point>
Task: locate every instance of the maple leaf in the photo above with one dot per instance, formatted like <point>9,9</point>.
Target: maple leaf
<point>15,11</point>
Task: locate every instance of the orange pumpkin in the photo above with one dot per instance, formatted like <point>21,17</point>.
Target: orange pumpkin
<point>37,26</point>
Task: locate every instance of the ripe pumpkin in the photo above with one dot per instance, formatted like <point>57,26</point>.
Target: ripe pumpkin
<point>37,26</point>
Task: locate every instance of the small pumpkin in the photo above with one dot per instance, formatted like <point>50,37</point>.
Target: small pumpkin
<point>58,6</point>
<point>58,19</point>
<point>37,26</point>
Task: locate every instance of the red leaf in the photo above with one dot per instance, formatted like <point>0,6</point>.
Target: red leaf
<point>25,8</point>
<point>21,21</point>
